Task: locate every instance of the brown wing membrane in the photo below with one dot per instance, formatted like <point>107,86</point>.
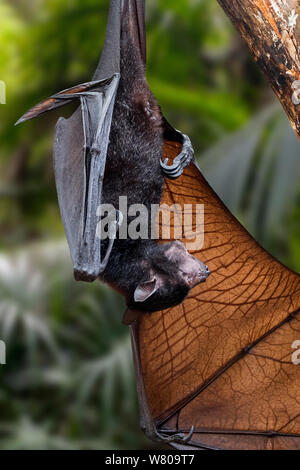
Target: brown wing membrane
<point>222,361</point>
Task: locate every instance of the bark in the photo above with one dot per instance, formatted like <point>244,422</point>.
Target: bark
<point>271,29</point>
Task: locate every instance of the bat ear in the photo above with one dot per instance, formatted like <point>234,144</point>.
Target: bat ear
<point>145,290</point>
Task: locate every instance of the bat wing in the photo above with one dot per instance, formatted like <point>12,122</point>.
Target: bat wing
<point>80,151</point>
<point>218,372</point>
<point>81,142</point>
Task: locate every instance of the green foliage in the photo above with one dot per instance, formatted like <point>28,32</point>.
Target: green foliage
<point>69,380</point>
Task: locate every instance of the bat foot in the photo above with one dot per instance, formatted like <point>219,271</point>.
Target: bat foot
<point>179,438</point>
<point>181,161</point>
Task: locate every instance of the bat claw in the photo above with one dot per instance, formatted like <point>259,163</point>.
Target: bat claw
<point>180,162</point>
<point>180,438</point>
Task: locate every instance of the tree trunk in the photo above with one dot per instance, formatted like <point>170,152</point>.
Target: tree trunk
<point>271,28</point>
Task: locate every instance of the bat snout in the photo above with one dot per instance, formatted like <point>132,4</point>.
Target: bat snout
<point>205,273</point>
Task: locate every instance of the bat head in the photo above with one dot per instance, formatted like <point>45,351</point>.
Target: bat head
<point>171,273</point>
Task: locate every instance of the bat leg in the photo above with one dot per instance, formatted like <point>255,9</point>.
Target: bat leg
<point>148,425</point>
<point>181,161</point>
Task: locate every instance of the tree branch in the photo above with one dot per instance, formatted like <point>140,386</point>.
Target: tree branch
<point>271,29</point>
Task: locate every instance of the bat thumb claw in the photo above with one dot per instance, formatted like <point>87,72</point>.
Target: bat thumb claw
<point>190,435</point>
<point>19,122</point>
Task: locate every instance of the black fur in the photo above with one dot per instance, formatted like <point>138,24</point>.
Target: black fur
<point>133,170</point>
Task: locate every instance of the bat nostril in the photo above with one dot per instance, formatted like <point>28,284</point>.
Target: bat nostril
<point>207,270</point>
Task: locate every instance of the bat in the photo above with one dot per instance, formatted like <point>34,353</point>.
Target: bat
<point>215,371</point>
<point>112,148</point>
<point>219,371</point>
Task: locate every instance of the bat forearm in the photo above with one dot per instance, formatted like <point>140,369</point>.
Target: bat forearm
<point>271,29</point>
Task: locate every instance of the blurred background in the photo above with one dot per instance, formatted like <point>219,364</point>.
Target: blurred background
<point>69,382</point>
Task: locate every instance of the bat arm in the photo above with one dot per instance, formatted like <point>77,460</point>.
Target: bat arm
<point>74,96</point>
<point>66,96</point>
<point>181,161</point>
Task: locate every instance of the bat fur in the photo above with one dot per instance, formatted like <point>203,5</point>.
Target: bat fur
<point>133,170</point>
